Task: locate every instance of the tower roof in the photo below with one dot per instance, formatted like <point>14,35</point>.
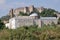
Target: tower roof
<point>34,14</point>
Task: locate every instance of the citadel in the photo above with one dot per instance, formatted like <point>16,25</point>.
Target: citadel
<point>19,21</point>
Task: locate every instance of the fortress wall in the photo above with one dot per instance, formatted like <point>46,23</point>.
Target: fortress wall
<point>38,22</point>
<point>28,21</point>
<point>58,15</point>
<point>25,17</point>
<point>49,21</point>
<point>12,23</point>
<point>31,8</point>
<point>27,10</point>
<point>24,22</point>
<point>16,11</point>
<point>40,9</point>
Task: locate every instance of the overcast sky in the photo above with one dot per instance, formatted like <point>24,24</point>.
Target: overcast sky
<point>6,5</point>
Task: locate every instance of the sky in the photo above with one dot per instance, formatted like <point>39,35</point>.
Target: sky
<point>6,5</point>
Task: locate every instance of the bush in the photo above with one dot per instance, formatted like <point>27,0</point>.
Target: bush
<point>31,33</point>
<point>2,25</point>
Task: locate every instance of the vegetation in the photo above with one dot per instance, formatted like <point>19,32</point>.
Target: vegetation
<point>48,13</point>
<point>31,33</point>
<point>23,14</point>
<point>46,32</point>
<point>7,17</point>
<point>59,21</point>
<point>1,25</point>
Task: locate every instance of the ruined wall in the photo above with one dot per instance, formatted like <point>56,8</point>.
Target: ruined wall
<point>40,9</point>
<point>31,8</point>
<point>27,10</point>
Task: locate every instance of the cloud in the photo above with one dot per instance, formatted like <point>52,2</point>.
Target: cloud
<point>2,1</point>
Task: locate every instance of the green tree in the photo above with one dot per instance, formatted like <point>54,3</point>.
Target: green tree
<point>23,14</point>
<point>48,13</point>
<point>7,17</point>
<point>59,21</point>
<point>1,25</point>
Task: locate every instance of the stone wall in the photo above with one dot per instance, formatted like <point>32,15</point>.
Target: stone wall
<point>23,21</point>
<point>49,20</point>
<point>28,21</point>
<point>12,23</point>
<point>27,10</point>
